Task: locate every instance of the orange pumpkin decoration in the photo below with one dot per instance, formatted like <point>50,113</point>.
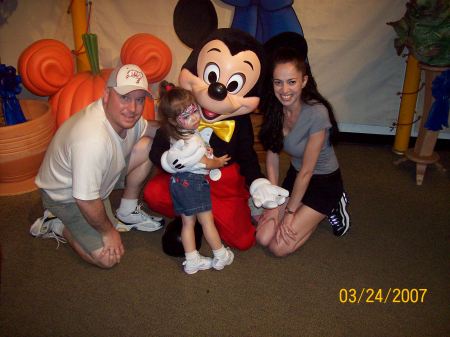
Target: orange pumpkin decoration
<point>150,53</point>
<point>83,89</point>
<point>46,66</point>
<point>70,93</point>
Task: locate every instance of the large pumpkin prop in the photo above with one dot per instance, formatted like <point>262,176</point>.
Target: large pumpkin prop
<point>83,89</point>
<point>47,69</point>
<point>150,53</point>
<point>46,66</point>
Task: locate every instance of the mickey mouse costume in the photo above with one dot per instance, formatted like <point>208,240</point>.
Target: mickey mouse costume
<point>223,73</point>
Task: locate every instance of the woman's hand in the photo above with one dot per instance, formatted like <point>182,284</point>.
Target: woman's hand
<point>268,215</point>
<point>286,231</point>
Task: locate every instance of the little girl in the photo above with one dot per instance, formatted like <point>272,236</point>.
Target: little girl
<point>190,191</point>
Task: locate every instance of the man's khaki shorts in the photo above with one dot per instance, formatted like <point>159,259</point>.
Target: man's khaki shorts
<point>72,218</point>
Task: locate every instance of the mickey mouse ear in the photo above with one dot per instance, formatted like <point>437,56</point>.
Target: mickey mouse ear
<point>193,20</point>
<point>287,39</point>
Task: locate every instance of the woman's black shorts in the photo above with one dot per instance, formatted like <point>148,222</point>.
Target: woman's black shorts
<point>323,192</point>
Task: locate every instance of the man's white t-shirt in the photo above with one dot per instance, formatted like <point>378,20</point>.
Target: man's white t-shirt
<point>86,156</point>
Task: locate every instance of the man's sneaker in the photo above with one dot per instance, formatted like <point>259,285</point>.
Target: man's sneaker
<point>48,227</point>
<point>139,220</point>
<point>199,263</point>
<point>339,217</point>
<point>220,263</point>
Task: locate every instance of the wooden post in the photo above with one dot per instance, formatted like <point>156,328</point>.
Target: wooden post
<point>407,105</point>
<point>2,120</point>
<point>79,24</point>
<point>423,153</point>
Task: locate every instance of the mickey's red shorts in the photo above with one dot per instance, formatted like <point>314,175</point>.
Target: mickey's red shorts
<point>229,196</point>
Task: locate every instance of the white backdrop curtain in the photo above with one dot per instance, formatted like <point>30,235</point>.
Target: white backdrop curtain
<point>351,48</point>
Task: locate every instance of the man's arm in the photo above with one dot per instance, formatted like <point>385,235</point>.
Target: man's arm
<point>95,214</point>
<point>151,128</point>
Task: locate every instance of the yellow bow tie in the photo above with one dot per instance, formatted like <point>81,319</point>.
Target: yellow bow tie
<point>223,129</point>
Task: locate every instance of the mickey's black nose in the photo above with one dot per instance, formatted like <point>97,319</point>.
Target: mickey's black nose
<point>217,91</point>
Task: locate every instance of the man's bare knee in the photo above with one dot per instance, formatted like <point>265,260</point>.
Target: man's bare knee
<point>102,260</point>
<point>139,156</point>
<point>106,265</point>
<point>142,146</point>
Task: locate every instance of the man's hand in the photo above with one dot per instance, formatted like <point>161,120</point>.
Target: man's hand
<point>182,157</point>
<point>95,214</point>
<point>112,246</point>
<point>267,195</point>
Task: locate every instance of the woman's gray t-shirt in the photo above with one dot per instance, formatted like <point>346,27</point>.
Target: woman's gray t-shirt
<point>313,118</point>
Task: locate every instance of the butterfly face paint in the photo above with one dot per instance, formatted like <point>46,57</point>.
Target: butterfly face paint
<point>189,118</point>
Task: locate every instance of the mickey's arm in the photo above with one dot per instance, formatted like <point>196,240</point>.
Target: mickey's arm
<point>180,157</point>
<point>160,145</point>
<point>245,154</point>
<point>262,191</point>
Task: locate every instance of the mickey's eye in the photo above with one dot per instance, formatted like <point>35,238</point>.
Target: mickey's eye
<point>211,73</point>
<point>235,83</point>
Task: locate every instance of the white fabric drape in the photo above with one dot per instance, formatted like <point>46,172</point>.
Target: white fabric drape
<point>351,48</point>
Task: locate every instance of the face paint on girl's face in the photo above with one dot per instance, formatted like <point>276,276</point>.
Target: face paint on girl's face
<point>189,118</point>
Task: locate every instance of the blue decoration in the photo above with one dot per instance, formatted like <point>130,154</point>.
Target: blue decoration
<point>438,115</point>
<point>264,19</point>
<point>9,88</point>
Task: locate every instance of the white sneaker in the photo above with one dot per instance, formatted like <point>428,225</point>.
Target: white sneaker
<point>139,220</point>
<point>220,263</point>
<point>199,263</point>
<point>48,227</point>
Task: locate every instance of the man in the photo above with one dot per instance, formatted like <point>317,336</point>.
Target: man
<point>98,149</point>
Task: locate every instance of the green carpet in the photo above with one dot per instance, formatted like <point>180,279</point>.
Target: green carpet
<point>399,240</point>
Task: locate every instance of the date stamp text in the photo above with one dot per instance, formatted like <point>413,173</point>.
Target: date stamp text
<point>379,295</point>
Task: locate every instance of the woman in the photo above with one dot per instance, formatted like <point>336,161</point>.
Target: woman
<point>300,121</point>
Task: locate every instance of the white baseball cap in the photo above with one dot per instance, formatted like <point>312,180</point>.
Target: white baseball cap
<point>127,78</point>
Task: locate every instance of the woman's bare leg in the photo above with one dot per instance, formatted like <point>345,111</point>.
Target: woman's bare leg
<point>304,224</point>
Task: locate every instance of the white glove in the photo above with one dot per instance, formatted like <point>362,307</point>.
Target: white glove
<point>182,157</point>
<point>267,195</point>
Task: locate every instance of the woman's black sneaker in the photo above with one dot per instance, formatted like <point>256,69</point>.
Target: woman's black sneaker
<point>339,217</point>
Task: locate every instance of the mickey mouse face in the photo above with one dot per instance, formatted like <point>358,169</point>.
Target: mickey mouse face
<point>236,74</point>
<point>223,80</point>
